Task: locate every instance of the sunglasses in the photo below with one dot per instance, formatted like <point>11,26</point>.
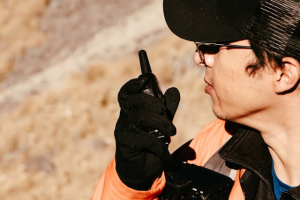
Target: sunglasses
<point>213,48</point>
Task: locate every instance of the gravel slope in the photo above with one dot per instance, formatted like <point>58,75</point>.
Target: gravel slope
<point>58,103</point>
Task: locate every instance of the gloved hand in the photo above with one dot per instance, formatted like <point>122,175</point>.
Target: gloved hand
<point>139,154</point>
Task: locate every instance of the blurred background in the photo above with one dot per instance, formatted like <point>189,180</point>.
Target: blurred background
<point>62,63</point>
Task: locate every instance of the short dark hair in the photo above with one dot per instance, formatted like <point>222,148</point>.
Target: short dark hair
<point>263,55</point>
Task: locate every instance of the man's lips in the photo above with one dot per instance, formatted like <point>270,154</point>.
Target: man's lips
<point>208,89</point>
<point>209,86</point>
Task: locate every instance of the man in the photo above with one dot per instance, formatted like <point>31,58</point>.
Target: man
<point>251,51</point>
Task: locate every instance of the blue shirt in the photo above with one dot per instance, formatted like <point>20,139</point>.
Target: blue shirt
<point>279,186</point>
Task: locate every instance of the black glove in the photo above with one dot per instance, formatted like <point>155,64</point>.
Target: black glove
<point>139,154</point>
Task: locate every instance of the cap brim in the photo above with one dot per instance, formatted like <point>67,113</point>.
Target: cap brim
<point>199,20</point>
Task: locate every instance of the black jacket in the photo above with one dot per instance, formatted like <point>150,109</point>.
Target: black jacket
<point>246,149</point>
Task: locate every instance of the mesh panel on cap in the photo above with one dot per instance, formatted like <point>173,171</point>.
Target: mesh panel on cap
<point>276,27</point>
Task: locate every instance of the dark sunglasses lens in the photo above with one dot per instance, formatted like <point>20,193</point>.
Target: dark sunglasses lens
<point>209,49</point>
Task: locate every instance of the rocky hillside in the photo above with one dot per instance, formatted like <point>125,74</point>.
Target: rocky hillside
<point>62,64</point>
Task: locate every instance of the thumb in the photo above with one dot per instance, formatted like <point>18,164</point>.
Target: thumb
<point>134,86</point>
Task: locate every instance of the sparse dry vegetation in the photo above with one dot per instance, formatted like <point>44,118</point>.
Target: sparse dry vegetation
<point>56,144</point>
<point>19,22</point>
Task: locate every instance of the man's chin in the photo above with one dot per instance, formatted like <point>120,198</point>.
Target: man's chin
<point>218,114</point>
<point>238,119</point>
<point>223,116</point>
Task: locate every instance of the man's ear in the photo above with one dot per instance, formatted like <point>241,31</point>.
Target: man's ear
<point>288,76</point>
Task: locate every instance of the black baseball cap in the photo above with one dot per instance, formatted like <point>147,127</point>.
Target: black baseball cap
<point>272,24</point>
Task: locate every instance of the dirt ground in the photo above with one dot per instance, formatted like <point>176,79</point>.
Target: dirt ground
<point>62,64</point>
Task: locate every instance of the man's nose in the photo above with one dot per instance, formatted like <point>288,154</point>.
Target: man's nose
<point>197,59</point>
<point>208,60</point>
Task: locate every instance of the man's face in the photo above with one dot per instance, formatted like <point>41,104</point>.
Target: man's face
<point>235,94</point>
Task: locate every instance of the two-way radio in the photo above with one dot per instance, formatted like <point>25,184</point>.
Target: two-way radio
<point>184,181</point>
